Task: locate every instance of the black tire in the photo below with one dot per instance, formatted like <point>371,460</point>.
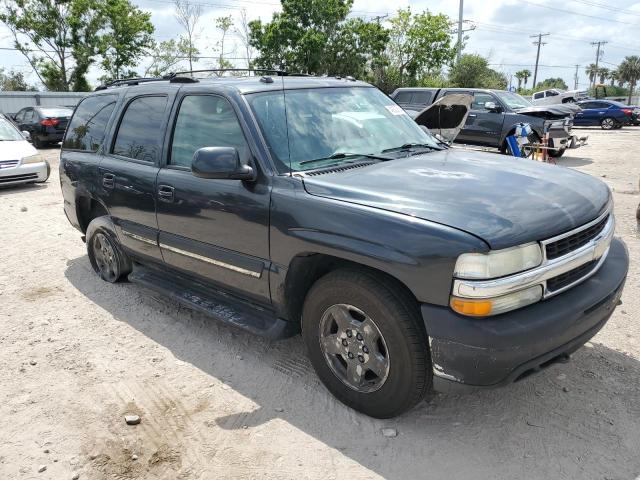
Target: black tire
<point>618,126</point>
<point>401,330</point>
<point>105,254</point>
<point>568,100</point>
<point>556,153</point>
<point>608,123</point>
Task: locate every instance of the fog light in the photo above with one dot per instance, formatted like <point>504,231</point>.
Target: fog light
<point>493,306</point>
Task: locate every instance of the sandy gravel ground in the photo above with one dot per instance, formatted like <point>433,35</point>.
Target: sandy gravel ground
<point>76,354</point>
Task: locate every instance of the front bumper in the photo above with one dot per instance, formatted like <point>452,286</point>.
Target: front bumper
<point>496,351</point>
<point>31,172</point>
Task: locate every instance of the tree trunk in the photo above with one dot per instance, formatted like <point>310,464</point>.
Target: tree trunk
<point>632,85</point>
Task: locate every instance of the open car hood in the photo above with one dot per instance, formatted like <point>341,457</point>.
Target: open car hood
<point>551,112</point>
<point>446,117</point>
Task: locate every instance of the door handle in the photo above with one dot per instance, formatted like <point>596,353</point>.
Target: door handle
<point>165,193</point>
<point>472,115</point>
<point>108,180</point>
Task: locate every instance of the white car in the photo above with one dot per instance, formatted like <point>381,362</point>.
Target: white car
<point>555,95</point>
<point>19,161</point>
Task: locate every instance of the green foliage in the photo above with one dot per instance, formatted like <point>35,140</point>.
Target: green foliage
<point>61,39</point>
<point>551,83</point>
<point>592,71</point>
<point>629,71</point>
<point>128,34</point>
<point>166,56</point>
<point>13,81</point>
<point>472,71</point>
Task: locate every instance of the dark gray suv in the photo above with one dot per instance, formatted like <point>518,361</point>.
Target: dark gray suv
<point>286,204</point>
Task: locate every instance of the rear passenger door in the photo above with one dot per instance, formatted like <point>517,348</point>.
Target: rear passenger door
<point>210,228</point>
<point>129,167</point>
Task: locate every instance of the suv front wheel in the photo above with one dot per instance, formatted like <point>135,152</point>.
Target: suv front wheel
<point>367,343</point>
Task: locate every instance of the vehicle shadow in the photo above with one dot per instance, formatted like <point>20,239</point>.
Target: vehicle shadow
<point>581,419</point>
<point>29,187</point>
<point>568,161</point>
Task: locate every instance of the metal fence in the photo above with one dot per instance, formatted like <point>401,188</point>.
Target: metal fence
<point>12,102</point>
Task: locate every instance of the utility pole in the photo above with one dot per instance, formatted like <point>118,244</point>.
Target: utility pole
<point>379,17</point>
<point>575,78</point>
<point>539,43</point>
<point>599,44</point>
<point>460,14</point>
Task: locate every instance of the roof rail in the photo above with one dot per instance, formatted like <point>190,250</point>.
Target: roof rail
<point>279,73</point>
<point>131,81</point>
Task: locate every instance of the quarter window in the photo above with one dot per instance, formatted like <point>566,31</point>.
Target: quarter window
<point>140,132</point>
<point>205,121</point>
<point>89,123</point>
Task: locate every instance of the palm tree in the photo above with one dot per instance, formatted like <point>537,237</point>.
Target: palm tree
<point>630,72</point>
<point>614,76</point>
<point>591,71</point>
<point>520,76</point>
<point>603,74</point>
<point>525,75</point>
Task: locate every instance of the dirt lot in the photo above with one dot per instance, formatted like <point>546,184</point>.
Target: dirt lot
<point>76,354</point>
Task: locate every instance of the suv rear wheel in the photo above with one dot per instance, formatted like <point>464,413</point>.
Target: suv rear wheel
<point>367,343</point>
<point>106,257</point>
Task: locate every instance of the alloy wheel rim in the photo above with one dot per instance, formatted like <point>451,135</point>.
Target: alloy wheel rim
<point>105,257</point>
<point>354,348</point>
<point>607,123</point>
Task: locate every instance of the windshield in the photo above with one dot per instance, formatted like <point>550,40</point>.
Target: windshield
<point>56,112</point>
<point>513,100</point>
<point>325,122</point>
<point>8,131</point>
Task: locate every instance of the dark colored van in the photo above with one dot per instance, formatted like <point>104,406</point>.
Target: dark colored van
<point>287,205</point>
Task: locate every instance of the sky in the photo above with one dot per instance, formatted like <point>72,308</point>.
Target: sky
<point>502,31</point>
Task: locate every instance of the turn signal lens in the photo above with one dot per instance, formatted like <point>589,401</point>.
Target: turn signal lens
<point>493,306</point>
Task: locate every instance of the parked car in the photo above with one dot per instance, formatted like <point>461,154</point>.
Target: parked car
<point>556,96</point>
<point>316,205</point>
<point>608,114</point>
<point>495,114</point>
<point>19,162</point>
<point>45,124</point>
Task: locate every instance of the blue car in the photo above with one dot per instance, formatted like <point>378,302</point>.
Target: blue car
<point>609,114</point>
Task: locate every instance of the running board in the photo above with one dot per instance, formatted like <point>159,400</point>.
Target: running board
<point>215,303</point>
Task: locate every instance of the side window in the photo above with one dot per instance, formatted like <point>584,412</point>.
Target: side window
<point>19,116</point>
<point>538,95</point>
<point>28,116</point>
<point>139,134</point>
<point>403,97</point>
<point>479,99</point>
<point>89,123</point>
<point>551,93</point>
<point>205,121</point>
<point>421,98</point>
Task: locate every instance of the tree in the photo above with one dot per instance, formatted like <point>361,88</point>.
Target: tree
<point>553,83</point>
<point>472,71</point>
<point>419,43</point>
<point>13,81</point>
<point>630,72</point>
<point>128,35</point>
<point>59,38</point>
<point>224,24</point>
<point>244,34</point>
<point>603,74</point>
<point>614,76</point>
<point>520,76</point>
<point>188,15</point>
<point>166,56</point>
<point>591,72</point>
<point>525,76</point>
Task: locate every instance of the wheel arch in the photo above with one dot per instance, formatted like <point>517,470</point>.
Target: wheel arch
<point>88,208</point>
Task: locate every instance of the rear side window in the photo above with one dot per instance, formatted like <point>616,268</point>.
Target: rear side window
<point>89,123</point>
<point>403,97</point>
<point>421,98</point>
<point>538,95</point>
<point>140,132</point>
<point>205,121</point>
<point>56,112</point>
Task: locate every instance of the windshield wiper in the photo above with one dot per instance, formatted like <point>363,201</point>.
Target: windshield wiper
<point>340,155</point>
<point>409,146</point>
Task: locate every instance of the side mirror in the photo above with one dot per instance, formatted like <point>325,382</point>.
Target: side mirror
<point>492,107</point>
<point>221,163</point>
<point>26,135</point>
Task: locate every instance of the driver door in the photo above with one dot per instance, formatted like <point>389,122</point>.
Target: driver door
<point>483,127</point>
<point>210,228</point>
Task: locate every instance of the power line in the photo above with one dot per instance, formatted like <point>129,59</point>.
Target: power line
<point>573,12</point>
<point>539,43</point>
<point>599,44</point>
<point>607,7</point>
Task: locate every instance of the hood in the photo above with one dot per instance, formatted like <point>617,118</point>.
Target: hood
<point>446,117</point>
<point>16,150</point>
<point>550,112</point>
<point>504,200</point>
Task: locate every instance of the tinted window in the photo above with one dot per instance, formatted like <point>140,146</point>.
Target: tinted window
<point>89,123</point>
<point>28,116</point>
<point>551,93</point>
<point>140,132</point>
<point>205,121</point>
<point>403,97</point>
<point>421,98</point>
<point>538,95</point>
<point>479,99</point>
<point>19,116</point>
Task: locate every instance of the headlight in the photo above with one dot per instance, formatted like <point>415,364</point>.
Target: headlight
<point>498,263</point>
<point>494,306</point>
<point>37,158</point>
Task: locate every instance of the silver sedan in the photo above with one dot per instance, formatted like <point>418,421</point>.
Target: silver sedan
<point>19,162</point>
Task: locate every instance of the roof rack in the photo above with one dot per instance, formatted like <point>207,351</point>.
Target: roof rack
<point>280,73</point>
<point>130,81</point>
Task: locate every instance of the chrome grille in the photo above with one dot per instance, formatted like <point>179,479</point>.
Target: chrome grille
<point>570,277</point>
<point>570,243</point>
<point>8,163</point>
